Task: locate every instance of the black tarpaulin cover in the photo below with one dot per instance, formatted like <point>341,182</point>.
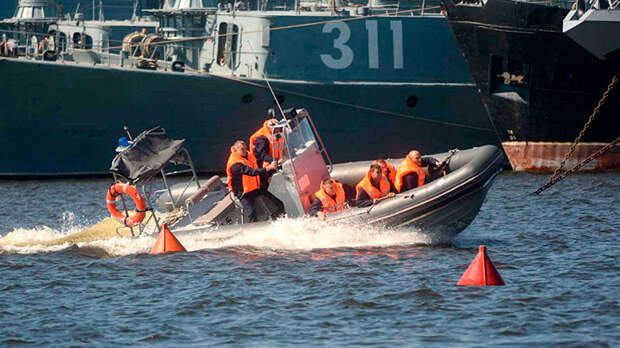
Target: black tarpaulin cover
<point>150,152</point>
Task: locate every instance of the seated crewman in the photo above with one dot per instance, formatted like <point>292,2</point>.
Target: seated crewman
<point>244,178</point>
<point>330,198</point>
<point>410,173</point>
<point>373,188</point>
<point>388,169</point>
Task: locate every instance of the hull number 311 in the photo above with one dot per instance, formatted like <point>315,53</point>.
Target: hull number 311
<point>346,55</point>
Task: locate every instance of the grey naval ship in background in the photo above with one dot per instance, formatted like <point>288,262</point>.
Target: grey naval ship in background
<point>379,78</point>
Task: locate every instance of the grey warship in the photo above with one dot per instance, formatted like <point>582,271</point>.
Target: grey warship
<point>362,70</point>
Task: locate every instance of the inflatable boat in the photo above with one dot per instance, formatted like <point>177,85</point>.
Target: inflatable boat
<point>442,208</point>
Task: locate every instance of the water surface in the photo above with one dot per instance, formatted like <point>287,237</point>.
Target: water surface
<point>303,283</point>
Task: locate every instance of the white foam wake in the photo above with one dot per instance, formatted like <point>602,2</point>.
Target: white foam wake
<point>31,238</point>
<point>285,234</point>
<point>306,234</point>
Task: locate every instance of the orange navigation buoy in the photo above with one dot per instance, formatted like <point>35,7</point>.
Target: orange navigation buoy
<point>481,271</point>
<point>166,242</point>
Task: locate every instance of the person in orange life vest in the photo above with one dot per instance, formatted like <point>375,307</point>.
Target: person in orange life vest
<point>244,178</point>
<point>388,169</point>
<point>410,173</point>
<point>330,198</point>
<point>374,187</point>
<point>265,144</point>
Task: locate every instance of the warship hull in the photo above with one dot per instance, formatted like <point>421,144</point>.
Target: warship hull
<point>63,119</point>
<point>538,86</point>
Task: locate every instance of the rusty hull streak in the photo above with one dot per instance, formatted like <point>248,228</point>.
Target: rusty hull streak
<point>543,157</point>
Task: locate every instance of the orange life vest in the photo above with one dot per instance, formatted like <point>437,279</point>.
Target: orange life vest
<point>275,144</point>
<point>373,192</point>
<point>329,204</point>
<point>388,170</point>
<point>406,168</point>
<point>250,183</point>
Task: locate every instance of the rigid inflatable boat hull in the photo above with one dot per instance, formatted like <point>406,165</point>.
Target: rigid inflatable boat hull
<point>441,209</point>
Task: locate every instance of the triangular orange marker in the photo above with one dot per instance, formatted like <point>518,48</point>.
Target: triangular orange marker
<point>166,242</point>
<point>481,271</point>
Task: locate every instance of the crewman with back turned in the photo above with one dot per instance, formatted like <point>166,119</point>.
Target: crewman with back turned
<point>410,173</point>
<point>244,178</point>
<point>373,188</point>
<point>330,198</point>
<point>265,144</point>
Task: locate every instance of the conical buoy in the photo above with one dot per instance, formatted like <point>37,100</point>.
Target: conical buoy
<point>481,271</point>
<point>166,242</point>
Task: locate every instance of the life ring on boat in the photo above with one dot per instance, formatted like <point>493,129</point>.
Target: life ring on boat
<point>118,189</point>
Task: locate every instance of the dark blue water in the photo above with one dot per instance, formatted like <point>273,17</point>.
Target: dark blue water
<point>558,254</point>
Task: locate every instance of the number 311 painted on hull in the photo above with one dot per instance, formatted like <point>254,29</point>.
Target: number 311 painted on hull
<point>346,53</point>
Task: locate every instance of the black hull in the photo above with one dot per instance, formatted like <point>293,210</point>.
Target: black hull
<point>561,83</point>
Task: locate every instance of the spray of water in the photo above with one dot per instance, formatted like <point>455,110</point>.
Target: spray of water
<point>287,234</point>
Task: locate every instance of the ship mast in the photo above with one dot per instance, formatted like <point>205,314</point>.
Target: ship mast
<point>101,18</point>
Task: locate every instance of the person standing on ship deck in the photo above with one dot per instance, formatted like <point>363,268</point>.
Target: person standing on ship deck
<point>10,48</point>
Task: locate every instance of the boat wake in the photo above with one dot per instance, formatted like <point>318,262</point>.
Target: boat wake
<point>303,234</point>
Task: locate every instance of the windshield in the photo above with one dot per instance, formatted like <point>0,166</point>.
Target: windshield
<point>298,137</point>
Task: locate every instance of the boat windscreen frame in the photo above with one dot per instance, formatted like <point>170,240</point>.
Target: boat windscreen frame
<point>303,150</point>
<point>289,126</point>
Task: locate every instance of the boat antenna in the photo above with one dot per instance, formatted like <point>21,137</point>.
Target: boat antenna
<point>273,94</point>
<point>274,97</point>
<point>101,18</point>
<point>127,131</point>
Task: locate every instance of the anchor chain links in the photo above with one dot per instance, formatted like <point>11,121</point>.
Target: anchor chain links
<point>559,173</point>
<point>593,156</point>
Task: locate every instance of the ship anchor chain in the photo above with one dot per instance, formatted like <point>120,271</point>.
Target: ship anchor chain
<point>560,174</point>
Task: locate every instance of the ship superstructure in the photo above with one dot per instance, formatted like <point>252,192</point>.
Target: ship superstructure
<point>30,17</point>
<point>380,81</point>
<point>596,27</point>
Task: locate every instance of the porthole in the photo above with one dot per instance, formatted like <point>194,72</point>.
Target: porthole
<point>412,101</point>
<point>247,99</point>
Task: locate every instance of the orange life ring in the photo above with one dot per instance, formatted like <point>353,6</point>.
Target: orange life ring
<point>118,189</point>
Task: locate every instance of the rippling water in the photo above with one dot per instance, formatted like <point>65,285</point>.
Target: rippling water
<point>303,283</point>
